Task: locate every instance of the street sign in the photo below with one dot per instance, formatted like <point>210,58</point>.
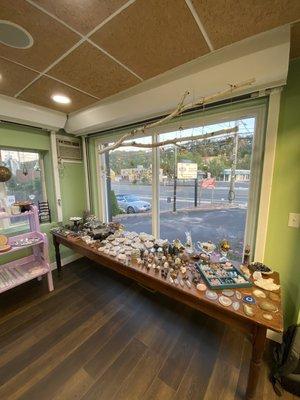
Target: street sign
<point>187,170</point>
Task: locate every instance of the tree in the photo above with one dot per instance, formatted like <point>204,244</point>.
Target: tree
<point>216,167</point>
<point>115,209</point>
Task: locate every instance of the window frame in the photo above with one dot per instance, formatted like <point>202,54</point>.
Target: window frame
<point>212,116</point>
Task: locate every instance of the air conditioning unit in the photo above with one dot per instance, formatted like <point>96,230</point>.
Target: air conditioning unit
<point>68,149</point>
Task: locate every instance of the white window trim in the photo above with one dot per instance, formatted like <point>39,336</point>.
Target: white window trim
<point>101,188</point>
<point>55,169</point>
<point>257,228</point>
<point>267,173</point>
<point>155,189</point>
<point>86,174</point>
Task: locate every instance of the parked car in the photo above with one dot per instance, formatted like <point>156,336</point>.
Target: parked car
<point>132,204</point>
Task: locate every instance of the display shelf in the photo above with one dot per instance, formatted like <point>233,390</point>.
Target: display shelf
<point>28,235</point>
<point>30,267</point>
<point>11,276</point>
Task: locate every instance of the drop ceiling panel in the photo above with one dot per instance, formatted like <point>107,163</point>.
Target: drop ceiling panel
<point>81,15</point>
<point>13,77</point>
<point>228,21</point>
<point>40,93</point>
<point>51,38</point>
<point>152,36</point>
<point>90,70</point>
<point>295,41</point>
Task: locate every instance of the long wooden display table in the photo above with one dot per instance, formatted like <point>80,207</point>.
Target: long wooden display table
<point>255,327</point>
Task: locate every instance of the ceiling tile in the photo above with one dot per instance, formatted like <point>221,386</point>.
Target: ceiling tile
<point>13,77</point>
<point>88,69</point>
<point>40,93</point>
<point>51,38</point>
<point>295,41</point>
<point>228,21</point>
<point>152,36</point>
<point>82,15</point>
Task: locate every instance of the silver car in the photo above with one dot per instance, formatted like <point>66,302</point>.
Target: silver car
<point>132,204</point>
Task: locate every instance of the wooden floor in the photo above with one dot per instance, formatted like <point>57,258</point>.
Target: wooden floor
<point>100,336</point>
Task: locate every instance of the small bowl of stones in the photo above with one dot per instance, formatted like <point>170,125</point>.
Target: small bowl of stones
<point>260,267</point>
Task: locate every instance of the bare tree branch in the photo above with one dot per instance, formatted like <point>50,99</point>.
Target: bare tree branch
<point>209,135</point>
<point>179,109</point>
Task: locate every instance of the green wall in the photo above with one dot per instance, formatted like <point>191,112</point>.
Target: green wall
<point>283,243</point>
<point>71,178</point>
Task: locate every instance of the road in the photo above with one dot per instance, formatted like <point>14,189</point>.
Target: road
<point>185,194</point>
<point>204,225</point>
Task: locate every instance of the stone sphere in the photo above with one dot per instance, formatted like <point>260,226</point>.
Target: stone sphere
<point>5,174</point>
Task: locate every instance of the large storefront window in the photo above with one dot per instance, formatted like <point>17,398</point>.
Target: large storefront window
<point>208,188</point>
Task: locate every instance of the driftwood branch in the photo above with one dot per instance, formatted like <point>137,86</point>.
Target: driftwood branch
<point>221,132</point>
<point>179,109</point>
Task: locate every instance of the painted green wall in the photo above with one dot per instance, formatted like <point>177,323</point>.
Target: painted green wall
<point>283,243</point>
<point>71,177</point>
<point>72,184</point>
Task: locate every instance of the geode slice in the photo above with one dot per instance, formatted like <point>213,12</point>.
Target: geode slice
<point>266,306</point>
<point>248,310</point>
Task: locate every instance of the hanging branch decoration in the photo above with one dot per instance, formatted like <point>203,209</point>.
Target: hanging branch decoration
<point>175,141</point>
<point>179,110</point>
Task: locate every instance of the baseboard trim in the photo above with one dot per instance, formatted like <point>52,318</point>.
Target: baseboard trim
<point>66,260</point>
<point>275,336</point>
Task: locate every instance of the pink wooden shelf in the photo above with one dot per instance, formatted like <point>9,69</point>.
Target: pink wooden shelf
<point>30,267</point>
<point>11,276</point>
<point>28,235</point>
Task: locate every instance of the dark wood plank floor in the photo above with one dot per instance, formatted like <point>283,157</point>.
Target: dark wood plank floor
<point>101,336</point>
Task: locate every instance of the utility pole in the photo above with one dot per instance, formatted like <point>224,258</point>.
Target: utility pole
<point>175,178</point>
<point>231,193</point>
<point>196,192</point>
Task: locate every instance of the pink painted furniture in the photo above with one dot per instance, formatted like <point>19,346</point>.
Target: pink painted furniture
<point>26,268</point>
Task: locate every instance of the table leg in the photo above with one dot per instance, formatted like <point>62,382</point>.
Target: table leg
<point>258,346</point>
<point>57,255</point>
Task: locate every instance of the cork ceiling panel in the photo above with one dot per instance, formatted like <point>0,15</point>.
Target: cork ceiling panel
<point>90,70</point>
<point>228,21</point>
<point>40,93</point>
<point>295,41</point>
<point>14,77</point>
<point>83,16</point>
<point>51,38</point>
<point>152,36</point>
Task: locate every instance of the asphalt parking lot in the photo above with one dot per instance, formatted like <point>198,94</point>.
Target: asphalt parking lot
<point>185,194</point>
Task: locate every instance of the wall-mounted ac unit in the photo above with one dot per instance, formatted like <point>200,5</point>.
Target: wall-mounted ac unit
<point>68,149</point>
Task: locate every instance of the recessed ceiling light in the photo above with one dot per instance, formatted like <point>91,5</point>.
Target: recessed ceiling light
<point>60,98</point>
<point>14,35</point>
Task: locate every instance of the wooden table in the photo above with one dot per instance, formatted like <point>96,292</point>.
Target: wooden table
<point>254,327</point>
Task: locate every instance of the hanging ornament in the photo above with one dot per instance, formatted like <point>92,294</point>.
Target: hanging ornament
<point>5,173</point>
<point>25,171</point>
